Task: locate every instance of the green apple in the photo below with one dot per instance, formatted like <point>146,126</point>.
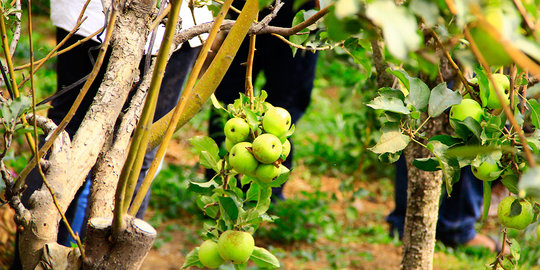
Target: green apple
<point>235,246</point>
<point>493,51</point>
<point>209,254</point>
<point>538,232</point>
<point>229,144</point>
<point>515,220</point>
<point>486,171</point>
<point>467,108</point>
<point>285,149</point>
<point>277,121</point>
<point>267,173</point>
<point>267,148</point>
<point>503,84</point>
<point>242,160</point>
<point>236,130</point>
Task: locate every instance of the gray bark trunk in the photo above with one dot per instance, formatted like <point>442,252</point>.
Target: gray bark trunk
<point>423,193</point>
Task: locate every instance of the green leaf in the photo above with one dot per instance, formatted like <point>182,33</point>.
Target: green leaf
<point>192,259</point>
<point>263,201</point>
<point>430,164</point>
<point>441,99</point>
<point>515,208</point>
<point>510,181</point>
<point>264,259</point>
<point>216,103</point>
<point>398,25</point>
<point>418,90</point>
<point>209,161</point>
<point>298,39</point>
<point>208,151</point>
<point>471,151</point>
<point>282,178</point>
<point>391,141</point>
<point>391,104</point>
<point>253,192</point>
<point>467,127</point>
<point>535,112</point>
<point>241,266</point>
<point>229,207</point>
<point>205,188</point>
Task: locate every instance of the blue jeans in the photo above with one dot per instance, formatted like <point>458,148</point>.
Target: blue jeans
<point>457,214</point>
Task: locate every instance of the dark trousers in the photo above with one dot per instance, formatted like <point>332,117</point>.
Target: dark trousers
<point>71,67</point>
<point>457,214</point>
<point>289,79</point>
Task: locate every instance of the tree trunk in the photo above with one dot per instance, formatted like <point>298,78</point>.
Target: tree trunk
<point>127,252</point>
<point>423,194</point>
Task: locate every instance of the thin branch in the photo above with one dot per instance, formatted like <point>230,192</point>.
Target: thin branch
<point>17,32</point>
<point>95,70</point>
<point>69,48</point>
<point>454,65</point>
<point>502,101</point>
<point>143,189</point>
<point>249,70</point>
<point>9,62</point>
<point>324,48</point>
<point>526,18</point>
<point>160,17</point>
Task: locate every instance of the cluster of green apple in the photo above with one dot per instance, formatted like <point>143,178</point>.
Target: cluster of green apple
<point>259,153</point>
<point>484,170</point>
<point>232,246</point>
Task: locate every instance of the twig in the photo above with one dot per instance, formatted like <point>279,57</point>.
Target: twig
<point>69,48</point>
<point>143,189</point>
<point>502,101</point>
<point>9,62</point>
<point>324,48</point>
<point>49,55</point>
<point>519,6</point>
<point>160,17</point>
<point>249,70</point>
<point>17,32</point>
<point>95,70</point>
<point>454,65</point>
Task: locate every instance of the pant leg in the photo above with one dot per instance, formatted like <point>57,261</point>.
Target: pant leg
<point>397,216</point>
<point>458,214</point>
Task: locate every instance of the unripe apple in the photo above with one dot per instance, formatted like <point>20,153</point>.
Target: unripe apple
<point>285,149</point>
<point>277,121</point>
<point>235,246</point>
<point>267,148</point>
<point>467,108</point>
<point>492,101</point>
<point>209,254</point>
<point>242,160</point>
<point>236,130</point>
<point>484,171</point>
<point>493,51</point>
<point>538,232</point>
<point>519,221</point>
<point>267,173</point>
<point>229,144</point>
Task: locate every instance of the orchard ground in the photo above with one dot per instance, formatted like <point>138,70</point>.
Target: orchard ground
<point>338,194</point>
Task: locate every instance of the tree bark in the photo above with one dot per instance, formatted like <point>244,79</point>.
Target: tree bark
<point>127,252</point>
<point>68,168</point>
<point>423,193</point>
